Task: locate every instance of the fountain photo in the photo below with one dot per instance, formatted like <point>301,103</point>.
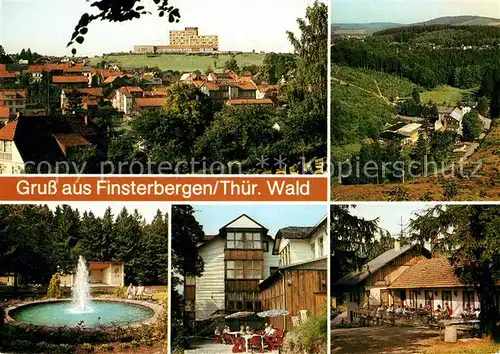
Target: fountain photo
<point>84,278</point>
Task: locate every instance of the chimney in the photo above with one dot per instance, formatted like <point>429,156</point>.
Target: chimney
<point>397,245</point>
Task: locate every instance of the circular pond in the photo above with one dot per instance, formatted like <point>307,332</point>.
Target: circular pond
<point>98,314</point>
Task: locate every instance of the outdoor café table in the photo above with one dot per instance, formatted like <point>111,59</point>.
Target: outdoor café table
<point>247,340</point>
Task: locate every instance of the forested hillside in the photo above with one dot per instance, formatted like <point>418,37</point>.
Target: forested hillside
<point>411,72</point>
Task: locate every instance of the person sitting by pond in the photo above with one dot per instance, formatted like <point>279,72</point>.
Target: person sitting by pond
<point>427,308</point>
<point>380,311</point>
<point>439,309</point>
<point>131,291</point>
<point>399,310</point>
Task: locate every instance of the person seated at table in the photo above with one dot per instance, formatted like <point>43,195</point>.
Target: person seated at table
<point>266,329</point>
<point>218,335</point>
<point>242,330</point>
<point>449,311</point>
<point>272,331</point>
<point>477,312</point>
<point>390,309</point>
<point>248,331</point>
<point>226,329</point>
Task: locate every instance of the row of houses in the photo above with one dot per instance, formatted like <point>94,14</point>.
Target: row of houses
<point>408,130</point>
<point>245,269</point>
<point>233,90</point>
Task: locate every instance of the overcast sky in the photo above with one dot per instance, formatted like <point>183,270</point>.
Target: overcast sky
<point>46,25</point>
<point>273,217</point>
<point>409,11</point>
<point>390,215</point>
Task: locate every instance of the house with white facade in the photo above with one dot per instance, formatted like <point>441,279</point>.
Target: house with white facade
<point>235,260</point>
<point>101,274</point>
<point>123,98</point>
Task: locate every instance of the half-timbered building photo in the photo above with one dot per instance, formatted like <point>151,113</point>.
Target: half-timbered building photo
<point>414,278</point>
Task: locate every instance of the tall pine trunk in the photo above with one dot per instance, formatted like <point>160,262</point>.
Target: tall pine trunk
<point>486,292</point>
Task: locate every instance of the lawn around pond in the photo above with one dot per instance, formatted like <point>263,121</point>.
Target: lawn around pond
<point>181,62</point>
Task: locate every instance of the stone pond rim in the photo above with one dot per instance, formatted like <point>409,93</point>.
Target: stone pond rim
<point>154,307</point>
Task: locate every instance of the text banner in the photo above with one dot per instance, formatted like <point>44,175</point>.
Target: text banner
<point>158,188</point>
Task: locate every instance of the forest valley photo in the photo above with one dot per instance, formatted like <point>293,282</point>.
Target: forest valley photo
<point>424,101</point>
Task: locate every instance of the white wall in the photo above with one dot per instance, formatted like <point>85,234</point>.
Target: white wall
<point>270,260</point>
<point>244,222</point>
<point>457,304</point>
<point>13,166</point>
<point>210,287</point>
<point>321,232</point>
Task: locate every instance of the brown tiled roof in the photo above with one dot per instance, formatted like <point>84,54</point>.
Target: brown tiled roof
<point>253,101</point>
<point>69,79</point>
<point>94,91</point>
<point>70,139</point>
<point>105,73</point>
<point>35,68</point>
<point>435,272</point>
<point>19,93</point>
<point>66,67</point>
<point>7,75</point>
<point>127,90</point>
<point>87,103</point>
<point>247,85</point>
<point>150,102</point>
<point>4,112</point>
<point>212,86</point>
<point>101,265</point>
<point>3,67</point>
<point>110,79</point>
<point>266,88</point>
<point>8,132</point>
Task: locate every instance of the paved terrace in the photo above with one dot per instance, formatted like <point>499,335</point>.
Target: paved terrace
<point>209,347</point>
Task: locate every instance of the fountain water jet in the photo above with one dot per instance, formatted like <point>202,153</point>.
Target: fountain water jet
<point>81,289</point>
